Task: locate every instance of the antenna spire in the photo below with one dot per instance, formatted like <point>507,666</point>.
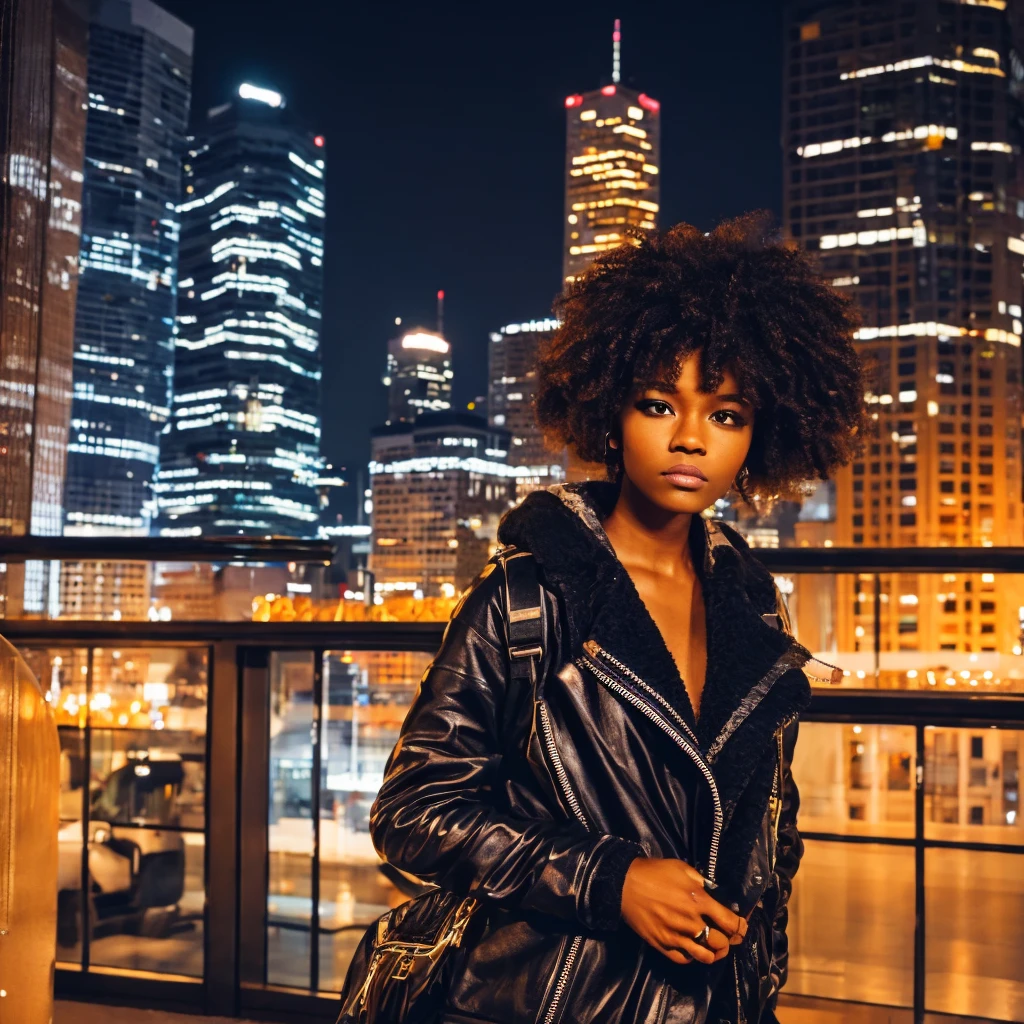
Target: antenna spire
<point>440,313</point>
<point>616,51</point>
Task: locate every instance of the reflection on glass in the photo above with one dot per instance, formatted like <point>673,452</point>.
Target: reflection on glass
<point>133,729</point>
<point>974,937</point>
<point>856,779</point>
<point>290,819</point>
<point>851,924</point>
<point>366,695</point>
<point>972,785</point>
<point>951,633</point>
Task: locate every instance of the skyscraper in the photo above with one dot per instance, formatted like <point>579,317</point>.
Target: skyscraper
<point>42,140</point>
<point>612,161</point>
<point>902,142</point>
<point>512,388</point>
<point>418,375</point>
<point>140,61</point>
<point>242,455</point>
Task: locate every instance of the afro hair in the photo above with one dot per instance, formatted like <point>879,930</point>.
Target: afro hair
<point>748,303</point>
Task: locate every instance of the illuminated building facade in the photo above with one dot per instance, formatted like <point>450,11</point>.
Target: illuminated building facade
<point>902,142</point>
<point>140,61</point>
<point>42,141</point>
<point>418,375</point>
<point>242,455</point>
<point>612,162</point>
<point>439,487</point>
<point>512,388</point>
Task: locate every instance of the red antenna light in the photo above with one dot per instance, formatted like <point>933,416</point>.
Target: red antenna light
<point>573,101</point>
<point>608,90</point>
<point>318,140</point>
<point>647,103</point>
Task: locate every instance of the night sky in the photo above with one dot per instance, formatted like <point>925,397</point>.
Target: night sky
<point>445,129</point>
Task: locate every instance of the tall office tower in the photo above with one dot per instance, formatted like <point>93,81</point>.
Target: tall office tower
<point>140,66</point>
<point>512,388</point>
<point>902,141</point>
<point>242,455</point>
<point>42,141</point>
<point>612,159</point>
<point>418,375</point>
<point>439,487</point>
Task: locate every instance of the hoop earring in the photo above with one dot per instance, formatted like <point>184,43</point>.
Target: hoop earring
<point>742,479</point>
<point>608,446</point>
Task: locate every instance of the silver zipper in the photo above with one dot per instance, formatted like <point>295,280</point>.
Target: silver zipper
<point>593,646</point>
<point>563,978</point>
<point>556,761</point>
<point>570,798</point>
<point>680,741</point>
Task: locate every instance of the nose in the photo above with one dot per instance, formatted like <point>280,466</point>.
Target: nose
<point>688,436</point>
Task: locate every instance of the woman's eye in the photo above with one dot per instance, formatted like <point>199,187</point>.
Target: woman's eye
<point>735,418</point>
<point>654,405</point>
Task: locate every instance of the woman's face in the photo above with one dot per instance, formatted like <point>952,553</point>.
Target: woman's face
<point>672,424</point>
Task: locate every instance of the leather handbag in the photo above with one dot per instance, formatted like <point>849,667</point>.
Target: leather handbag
<point>402,968</point>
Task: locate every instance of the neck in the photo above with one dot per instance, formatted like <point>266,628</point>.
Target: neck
<point>647,535</point>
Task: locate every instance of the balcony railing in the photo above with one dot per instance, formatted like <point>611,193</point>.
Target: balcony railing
<point>218,776</point>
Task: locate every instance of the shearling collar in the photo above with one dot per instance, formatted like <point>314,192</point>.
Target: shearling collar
<point>753,680</point>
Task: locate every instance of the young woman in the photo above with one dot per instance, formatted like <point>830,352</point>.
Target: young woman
<point>628,819</point>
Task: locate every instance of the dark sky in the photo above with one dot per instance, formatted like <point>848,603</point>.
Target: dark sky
<point>445,129</point>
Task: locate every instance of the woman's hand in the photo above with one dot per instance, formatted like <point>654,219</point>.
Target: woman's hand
<point>664,902</point>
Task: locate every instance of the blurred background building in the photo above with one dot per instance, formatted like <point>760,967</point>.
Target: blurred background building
<point>418,375</point>
<point>612,163</point>
<point>42,141</point>
<point>140,68</point>
<point>512,388</point>
<point>242,455</point>
<point>901,147</point>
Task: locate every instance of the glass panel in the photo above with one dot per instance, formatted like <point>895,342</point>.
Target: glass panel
<point>972,785</point>
<point>366,697</point>
<point>147,817</point>
<point>975,933</point>
<point>63,674</point>
<point>856,779</point>
<point>851,924</point>
<point>959,633</point>
<point>290,819</point>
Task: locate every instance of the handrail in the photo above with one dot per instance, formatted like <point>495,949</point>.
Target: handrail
<point>850,560</point>
<point>165,549</point>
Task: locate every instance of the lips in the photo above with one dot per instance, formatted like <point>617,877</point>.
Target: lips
<point>685,469</point>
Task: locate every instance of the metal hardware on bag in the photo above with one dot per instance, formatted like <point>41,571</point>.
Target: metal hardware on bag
<point>525,652</point>
<point>404,969</point>
<point>451,936</point>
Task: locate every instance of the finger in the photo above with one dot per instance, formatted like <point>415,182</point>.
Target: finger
<point>677,956</point>
<point>717,941</point>
<point>695,950</point>
<point>722,917</point>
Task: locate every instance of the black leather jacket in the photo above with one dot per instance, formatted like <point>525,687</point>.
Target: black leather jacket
<point>537,799</point>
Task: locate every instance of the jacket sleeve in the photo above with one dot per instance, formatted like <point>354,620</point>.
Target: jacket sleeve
<point>438,814</point>
<point>788,852</point>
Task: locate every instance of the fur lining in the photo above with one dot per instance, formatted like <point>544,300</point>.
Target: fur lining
<point>561,526</point>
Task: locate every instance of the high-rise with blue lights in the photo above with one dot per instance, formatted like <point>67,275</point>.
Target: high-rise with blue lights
<point>243,452</point>
<point>139,72</point>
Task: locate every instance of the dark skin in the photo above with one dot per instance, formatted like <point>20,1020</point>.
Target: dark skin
<point>662,425</point>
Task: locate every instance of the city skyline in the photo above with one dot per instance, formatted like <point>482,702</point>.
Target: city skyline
<point>494,87</point>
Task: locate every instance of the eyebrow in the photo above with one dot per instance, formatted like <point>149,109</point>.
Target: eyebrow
<point>668,388</point>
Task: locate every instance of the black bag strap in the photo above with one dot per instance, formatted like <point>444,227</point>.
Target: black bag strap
<point>524,604</point>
